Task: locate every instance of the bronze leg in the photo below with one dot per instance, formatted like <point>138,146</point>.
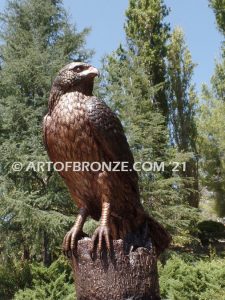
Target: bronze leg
<point>75,234</point>
<point>102,233</point>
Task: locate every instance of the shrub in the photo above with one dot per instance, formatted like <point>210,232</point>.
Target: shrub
<point>53,283</point>
<point>13,276</point>
<point>198,280</point>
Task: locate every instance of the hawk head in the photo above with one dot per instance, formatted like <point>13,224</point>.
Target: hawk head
<point>76,76</point>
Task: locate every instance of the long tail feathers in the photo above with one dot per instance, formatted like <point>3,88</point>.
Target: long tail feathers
<point>138,234</point>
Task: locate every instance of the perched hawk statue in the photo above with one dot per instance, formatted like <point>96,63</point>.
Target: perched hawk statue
<point>81,128</point>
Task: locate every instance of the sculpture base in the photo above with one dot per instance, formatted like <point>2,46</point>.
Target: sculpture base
<point>124,276</point>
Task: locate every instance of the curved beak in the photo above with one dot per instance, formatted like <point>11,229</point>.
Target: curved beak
<point>90,72</point>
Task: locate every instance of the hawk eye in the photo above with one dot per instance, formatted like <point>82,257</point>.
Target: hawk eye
<point>78,69</point>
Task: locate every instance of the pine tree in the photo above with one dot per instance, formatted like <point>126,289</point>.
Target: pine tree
<point>147,34</point>
<point>212,147</point>
<point>131,89</point>
<point>127,90</point>
<point>211,124</point>
<point>182,107</point>
<point>36,41</point>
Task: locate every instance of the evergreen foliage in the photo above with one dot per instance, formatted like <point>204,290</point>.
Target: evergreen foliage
<point>182,279</point>
<point>36,40</point>
<point>53,283</point>
<point>218,8</point>
<point>211,146</point>
<point>211,125</point>
<point>148,83</point>
<point>182,110</point>
<point>130,91</point>
<point>10,281</point>
<point>147,34</point>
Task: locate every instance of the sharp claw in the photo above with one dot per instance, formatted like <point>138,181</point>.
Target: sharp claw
<point>107,240</point>
<point>70,242</point>
<point>75,252</point>
<point>92,255</point>
<point>65,243</point>
<point>100,241</point>
<point>94,237</point>
<point>68,254</point>
<point>102,236</point>
<point>73,240</point>
<point>94,242</point>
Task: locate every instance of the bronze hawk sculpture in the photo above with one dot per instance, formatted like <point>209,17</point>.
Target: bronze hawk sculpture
<point>81,128</point>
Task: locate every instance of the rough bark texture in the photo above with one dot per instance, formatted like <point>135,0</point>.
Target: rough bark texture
<point>126,275</point>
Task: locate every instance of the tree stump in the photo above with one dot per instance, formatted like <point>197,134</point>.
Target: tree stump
<point>125,275</point>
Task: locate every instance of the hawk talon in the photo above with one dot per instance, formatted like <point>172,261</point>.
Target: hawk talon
<point>67,254</point>
<point>70,242</point>
<point>101,237</point>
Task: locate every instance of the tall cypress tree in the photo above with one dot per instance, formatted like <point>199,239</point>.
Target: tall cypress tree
<point>147,34</point>
<point>127,89</point>
<point>182,109</point>
<point>218,8</point>
<point>211,123</point>
<point>36,41</point>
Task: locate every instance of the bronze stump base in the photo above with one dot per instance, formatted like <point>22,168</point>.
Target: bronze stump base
<point>126,275</point>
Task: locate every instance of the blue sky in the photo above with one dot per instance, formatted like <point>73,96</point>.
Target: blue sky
<point>107,17</point>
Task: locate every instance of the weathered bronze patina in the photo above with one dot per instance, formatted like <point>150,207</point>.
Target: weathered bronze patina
<point>81,128</point>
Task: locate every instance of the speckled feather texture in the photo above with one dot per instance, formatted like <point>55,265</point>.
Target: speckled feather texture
<point>81,128</point>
